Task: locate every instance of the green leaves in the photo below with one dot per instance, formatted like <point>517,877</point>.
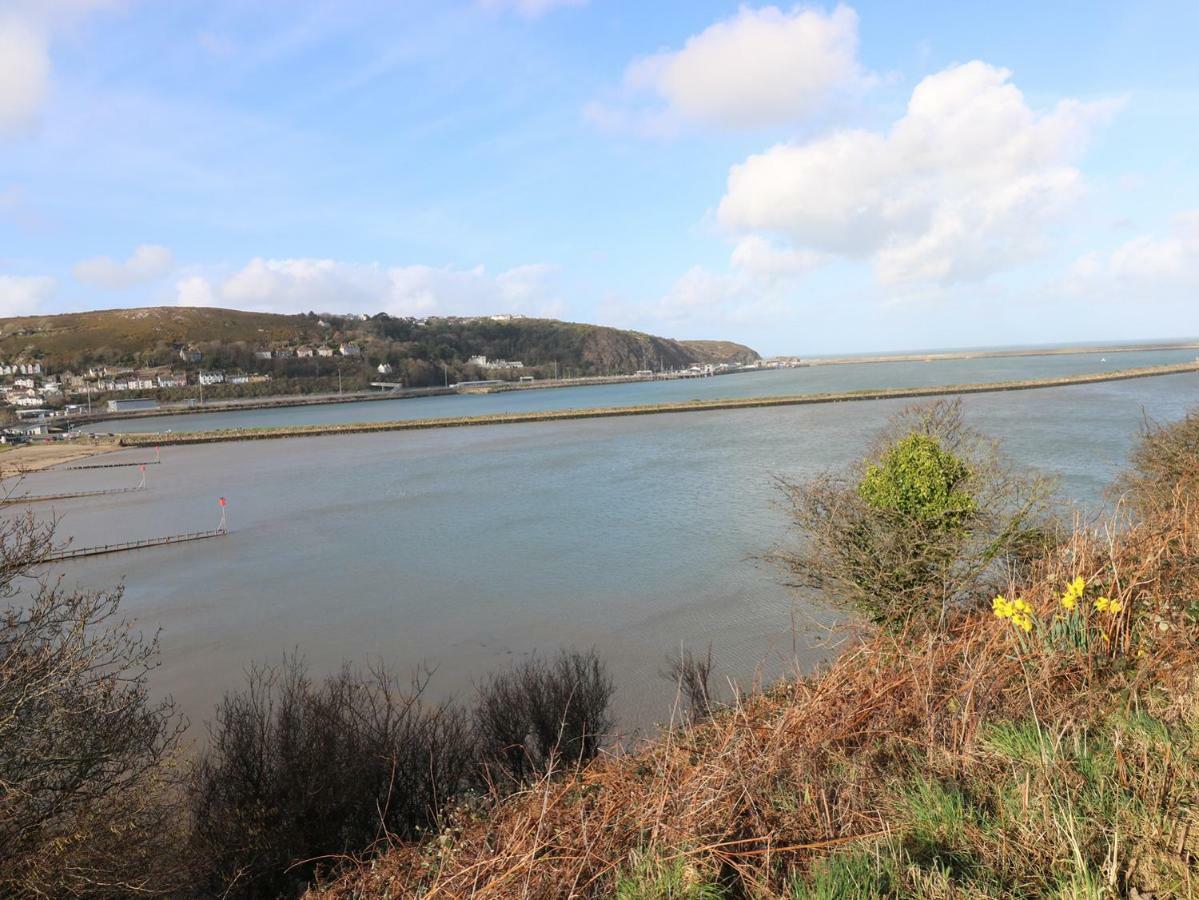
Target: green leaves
<point>919,479</point>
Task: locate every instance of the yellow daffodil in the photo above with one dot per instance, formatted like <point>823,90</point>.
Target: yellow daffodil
<point>1114,607</point>
<point>1001,607</point>
<point>1020,606</point>
<point>1103,605</point>
<point>1074,592</point>
<point>1022,621</point>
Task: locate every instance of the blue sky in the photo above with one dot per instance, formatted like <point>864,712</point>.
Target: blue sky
<point>807,179</point>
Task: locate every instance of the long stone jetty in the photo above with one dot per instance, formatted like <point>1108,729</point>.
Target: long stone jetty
<point>250,434</point>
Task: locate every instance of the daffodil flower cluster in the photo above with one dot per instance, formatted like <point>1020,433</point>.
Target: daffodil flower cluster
<point>1074,592</point>
<point>1017,611</point>
<point>1104,605</point>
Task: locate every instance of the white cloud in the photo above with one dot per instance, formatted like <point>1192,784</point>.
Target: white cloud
<point>147,263</point>
<point>22,296</point>
<point>757,255</point>
<point>529,9</point>
<point>24,73</point>
<point>295,285</point>
<point>705,301</point>
<point>966,182</point>
<point>760,67</point>
<point>1151,267</point>
<point>26,28</point>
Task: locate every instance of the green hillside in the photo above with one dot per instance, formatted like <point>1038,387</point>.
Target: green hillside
<point>420,351</point>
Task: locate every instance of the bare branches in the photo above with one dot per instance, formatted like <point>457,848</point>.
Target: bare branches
<point>299,772</point>
<point>541,711</point>
<point>81,741</point>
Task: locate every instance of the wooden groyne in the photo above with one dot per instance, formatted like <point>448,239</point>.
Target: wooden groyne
<point>43,498</point>
<point>60,555</point>
<point>148,462</point>
<point>253,434</point>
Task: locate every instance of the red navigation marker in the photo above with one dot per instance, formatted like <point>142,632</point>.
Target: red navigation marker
<point>222,501</point>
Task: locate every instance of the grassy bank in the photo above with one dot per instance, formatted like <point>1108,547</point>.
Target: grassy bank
<point>246,434</point>
<point>1046,753</point>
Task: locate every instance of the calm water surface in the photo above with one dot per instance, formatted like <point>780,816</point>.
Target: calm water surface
<point>467,548</point>
<point>775,382</point>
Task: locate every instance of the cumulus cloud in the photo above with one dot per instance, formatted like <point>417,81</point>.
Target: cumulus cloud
<point>22,296</point>
<point>1149,266</point>
<point>966,182</point>
<point>148,262</point>
<point>760,67</point>
<point>26,28</point>
<point>292,285</point>
<point>529,9</point>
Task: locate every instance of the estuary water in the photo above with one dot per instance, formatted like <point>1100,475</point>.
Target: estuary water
<point>762,383</point>
<point>464,549</point>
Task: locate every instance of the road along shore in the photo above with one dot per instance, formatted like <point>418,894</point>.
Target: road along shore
<point>253,434</point>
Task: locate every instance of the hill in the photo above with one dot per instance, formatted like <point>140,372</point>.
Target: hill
<point>422,351</point>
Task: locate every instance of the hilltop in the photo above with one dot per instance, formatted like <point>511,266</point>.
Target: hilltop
<point>421,351</point>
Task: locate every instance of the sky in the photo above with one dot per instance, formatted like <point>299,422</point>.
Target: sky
<point>805,179</point>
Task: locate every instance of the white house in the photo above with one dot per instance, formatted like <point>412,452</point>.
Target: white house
<point>211,377</point>
<point>349,350</point>
<point>384,368</point>
<point>325,351</point>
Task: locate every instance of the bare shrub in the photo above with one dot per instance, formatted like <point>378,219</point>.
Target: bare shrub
<point>929,521</point>
<point>692,675</point>
<point>542,711</point>
<point>1164,467</point>
<point>299,773</point>
<point>86,757</point>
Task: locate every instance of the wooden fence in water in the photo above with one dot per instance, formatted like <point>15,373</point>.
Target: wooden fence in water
<point>80,552</point>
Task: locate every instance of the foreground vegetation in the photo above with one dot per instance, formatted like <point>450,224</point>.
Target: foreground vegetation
<point>1043,744</point>
<point>1016,717</point>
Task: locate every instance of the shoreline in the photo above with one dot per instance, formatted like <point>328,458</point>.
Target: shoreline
<point>137,439</point>
<point>38,456</point>
<point>284,401</point>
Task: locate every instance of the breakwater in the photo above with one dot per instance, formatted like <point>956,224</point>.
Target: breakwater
<point>244,434</point>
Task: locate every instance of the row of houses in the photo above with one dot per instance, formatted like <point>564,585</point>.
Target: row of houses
<point>214,377</point>
<point>21,368</point>
<point>192,355</point>
<point>484,363</point>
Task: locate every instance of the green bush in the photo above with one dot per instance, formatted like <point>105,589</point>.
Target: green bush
<point>933,520</point>
<point>919,478</point>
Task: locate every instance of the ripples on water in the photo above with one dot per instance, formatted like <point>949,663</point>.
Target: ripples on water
<point>466,548</point>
